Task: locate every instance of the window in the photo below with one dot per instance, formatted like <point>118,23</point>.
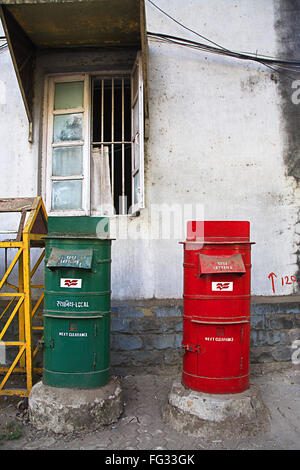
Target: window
<point>94,144</point>
<point>67,145</point>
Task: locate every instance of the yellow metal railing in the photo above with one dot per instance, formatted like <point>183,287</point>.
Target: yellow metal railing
<point>18,308</point>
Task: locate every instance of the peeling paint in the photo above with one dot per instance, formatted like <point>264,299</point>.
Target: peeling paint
<point>251,82</point>
<point>146,311</point>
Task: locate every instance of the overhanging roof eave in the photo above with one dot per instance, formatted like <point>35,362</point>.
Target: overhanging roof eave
<point>125,28</point>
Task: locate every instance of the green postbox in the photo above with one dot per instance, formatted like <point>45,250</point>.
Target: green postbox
<point>77,303</point>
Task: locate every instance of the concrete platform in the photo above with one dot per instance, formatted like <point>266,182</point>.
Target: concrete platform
<point>64,410</point>
<point>216,416</point>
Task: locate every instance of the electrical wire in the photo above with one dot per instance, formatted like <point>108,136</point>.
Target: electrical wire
<point>275,64</point>
<point>185,27</point>
<point>4,44</point>
<point>297,61</point>
<point>238,55</point>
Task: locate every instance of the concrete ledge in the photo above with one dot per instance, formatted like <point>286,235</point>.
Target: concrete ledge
<point>211,416</point>
<point>64,410</point>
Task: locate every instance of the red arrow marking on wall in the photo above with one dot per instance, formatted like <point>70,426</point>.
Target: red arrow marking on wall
<point>271,276</point>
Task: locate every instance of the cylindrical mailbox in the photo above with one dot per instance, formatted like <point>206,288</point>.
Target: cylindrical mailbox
<point>77,304</point>
<point>217,294</point>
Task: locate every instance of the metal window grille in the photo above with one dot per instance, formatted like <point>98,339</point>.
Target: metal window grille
<point>111,127</point>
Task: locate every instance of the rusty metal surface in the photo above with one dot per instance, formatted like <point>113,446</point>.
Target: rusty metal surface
<point>17,204</point>
<point>21,226</point>
<point>23,309</point>
<point>37,221</point>
<point>81,259</point>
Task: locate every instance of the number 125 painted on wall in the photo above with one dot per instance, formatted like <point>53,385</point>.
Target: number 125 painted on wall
<point>284,280</point>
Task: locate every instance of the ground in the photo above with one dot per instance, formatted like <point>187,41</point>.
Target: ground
<point>141,427</point>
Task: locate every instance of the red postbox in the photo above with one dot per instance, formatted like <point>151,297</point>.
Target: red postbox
<point>216,318</point>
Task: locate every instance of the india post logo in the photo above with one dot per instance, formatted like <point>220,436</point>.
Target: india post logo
<point>2,353</point>
<point>221,286</point>
<point>71,283</point>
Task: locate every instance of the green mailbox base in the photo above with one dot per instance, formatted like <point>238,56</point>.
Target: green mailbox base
<point>76,380</point>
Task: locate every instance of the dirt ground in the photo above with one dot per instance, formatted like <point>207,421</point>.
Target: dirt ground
<point>141,427</point>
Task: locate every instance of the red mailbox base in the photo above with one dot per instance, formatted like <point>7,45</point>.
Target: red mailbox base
<point>216,358</point>
<point>215,385</point>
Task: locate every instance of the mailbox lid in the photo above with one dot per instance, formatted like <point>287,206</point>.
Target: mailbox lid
<point>208,231</point>
<point>230,264</point>
<point>81,259</point>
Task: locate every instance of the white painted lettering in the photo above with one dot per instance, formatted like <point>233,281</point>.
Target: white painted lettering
<point>218,338</point>
<point>296,94</point>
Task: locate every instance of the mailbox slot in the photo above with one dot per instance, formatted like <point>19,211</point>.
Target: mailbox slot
<point>221,264</point>
<point>81,259</point>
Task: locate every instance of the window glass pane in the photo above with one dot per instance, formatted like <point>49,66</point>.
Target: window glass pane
<point>67,195</point>
<point>67,127</point>
<point>136,149</point>
<point>137,188</point>
<point>67,161</point>
<point>68,95</point>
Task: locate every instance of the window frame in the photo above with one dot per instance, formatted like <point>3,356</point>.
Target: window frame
<point>50,113</point>
<point>138,98</point>
<point>87,109</point>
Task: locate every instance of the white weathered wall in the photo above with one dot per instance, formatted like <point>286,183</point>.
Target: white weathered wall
<point>18,167</point>
<point>215,142</point>
<point>18,161</point>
